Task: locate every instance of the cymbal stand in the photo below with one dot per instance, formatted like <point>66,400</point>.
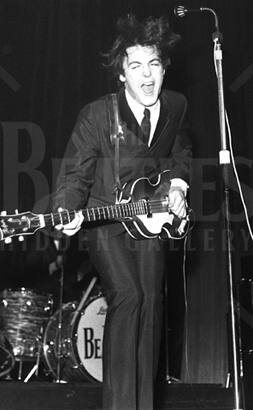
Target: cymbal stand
<point>60,263</point>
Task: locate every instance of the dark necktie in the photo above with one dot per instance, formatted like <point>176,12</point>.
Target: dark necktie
<point>145,125</point>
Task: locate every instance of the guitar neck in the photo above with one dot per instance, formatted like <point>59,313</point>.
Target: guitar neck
<point>117,212</point>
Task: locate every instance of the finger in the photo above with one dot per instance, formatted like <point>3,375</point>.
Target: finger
<point>175,197</point>
<point>177,205</point>
<point>69,232</point>
<point>58,227</point>
<point>182,212</point>
<point>179,208</point>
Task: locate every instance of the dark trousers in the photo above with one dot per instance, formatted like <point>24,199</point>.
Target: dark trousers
<point>131,276</point>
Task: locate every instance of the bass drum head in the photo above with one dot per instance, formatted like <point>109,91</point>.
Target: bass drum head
<point>81,338</point>
<point>57,343</point>
<point>89,337</point>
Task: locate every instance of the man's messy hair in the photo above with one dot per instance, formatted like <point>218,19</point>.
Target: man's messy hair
<point>149,32</point>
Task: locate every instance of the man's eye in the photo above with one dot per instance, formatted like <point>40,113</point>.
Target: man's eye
<point>134,66</point>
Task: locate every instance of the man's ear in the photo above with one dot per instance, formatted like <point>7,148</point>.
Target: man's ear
<point>122,78</point>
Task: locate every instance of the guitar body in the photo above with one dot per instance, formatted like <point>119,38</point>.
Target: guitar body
<point>163,224</point>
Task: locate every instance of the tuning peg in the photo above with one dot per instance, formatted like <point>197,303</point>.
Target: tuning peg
<point>16,211</point>
<point>8,240</point>
<point>21,238</point>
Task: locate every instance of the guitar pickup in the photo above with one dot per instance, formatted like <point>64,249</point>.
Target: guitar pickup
<point>149,213</point>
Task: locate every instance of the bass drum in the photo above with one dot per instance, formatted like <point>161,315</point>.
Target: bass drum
<point>78,343</point>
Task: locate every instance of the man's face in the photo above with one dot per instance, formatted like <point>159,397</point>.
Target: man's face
<point>143,74</point>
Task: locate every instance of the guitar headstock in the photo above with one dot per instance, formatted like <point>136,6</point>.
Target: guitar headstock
<point>18,224</point>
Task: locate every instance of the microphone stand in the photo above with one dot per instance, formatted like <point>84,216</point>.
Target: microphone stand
<point>224,161</point>
<point>168,378</point>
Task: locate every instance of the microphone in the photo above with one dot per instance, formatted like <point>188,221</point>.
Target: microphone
<point>181,11</point>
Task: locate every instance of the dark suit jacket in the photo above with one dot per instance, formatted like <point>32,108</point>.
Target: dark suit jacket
<point>87,172</point>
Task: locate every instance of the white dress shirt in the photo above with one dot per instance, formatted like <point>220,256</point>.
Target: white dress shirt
<point>138,111</point>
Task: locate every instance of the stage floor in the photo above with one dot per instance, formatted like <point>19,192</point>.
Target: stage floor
<point>35,395</point>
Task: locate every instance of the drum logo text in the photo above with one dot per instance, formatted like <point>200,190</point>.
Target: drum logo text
<point>92,345</point>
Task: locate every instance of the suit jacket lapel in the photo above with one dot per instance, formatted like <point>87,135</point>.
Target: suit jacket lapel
<point>162,120</point>
<point>126,114</point>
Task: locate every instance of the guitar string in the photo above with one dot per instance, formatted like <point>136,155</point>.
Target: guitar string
<point>155,206</point>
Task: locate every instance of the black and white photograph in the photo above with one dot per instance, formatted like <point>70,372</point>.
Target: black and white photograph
<point>126,202</point>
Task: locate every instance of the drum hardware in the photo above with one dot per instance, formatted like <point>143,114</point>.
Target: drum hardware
<point>81,339</point>
<point>7,360</point>
<point>60,355</point>
<point>59,333</point>
<point>84,298</point>
<point>35,368</point>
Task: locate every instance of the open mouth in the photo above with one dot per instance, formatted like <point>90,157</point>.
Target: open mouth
<point>148,88</point>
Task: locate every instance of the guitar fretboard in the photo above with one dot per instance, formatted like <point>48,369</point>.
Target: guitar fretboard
<point>110,212</point>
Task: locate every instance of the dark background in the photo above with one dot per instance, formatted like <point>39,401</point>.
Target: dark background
<point>50,66</point>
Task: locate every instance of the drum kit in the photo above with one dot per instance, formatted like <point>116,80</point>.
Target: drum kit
<point>66,341</point>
